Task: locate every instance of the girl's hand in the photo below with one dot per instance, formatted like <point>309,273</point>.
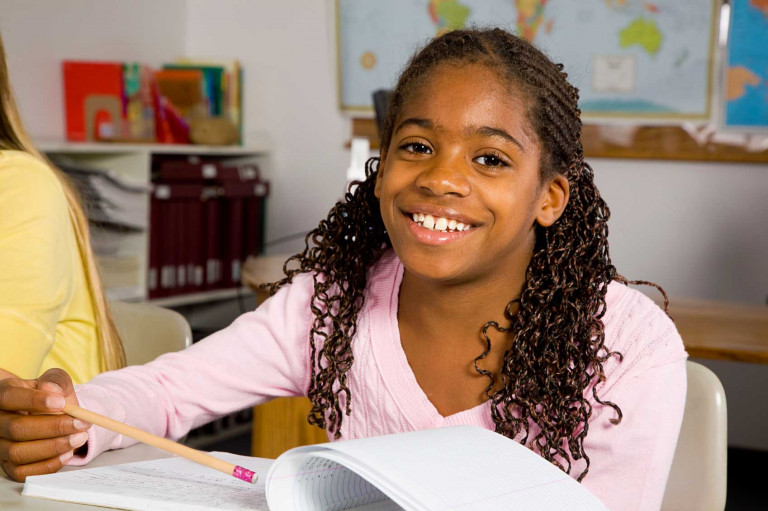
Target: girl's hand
<point>35,436</point>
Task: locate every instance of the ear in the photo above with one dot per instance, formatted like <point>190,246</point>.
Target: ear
<point>379,174</point>
<point>554,198</point>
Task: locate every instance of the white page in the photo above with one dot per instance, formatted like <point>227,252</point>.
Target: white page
<point>304,482</point>
<point>166,484</point>
<point>460,468</point>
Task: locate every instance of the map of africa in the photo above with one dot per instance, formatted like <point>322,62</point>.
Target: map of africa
<point>746,87</point>
<point>629,58</point>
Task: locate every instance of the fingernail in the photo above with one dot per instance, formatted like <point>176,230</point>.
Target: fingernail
<point>78,439</point>
<point>64,458</point>
<point>55,402</point>
<point>52,387</point>
<point>78,424</point>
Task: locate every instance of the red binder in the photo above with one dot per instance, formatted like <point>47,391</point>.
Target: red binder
<point>212,237</point>
<point>176,250</point>
<point>155,248</point>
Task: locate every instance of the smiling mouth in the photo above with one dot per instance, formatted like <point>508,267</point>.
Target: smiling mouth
<point>439,223</point>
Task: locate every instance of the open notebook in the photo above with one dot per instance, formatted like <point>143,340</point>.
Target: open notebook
<point>458,468</point>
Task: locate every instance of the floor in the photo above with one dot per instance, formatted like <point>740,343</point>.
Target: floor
<point>747,485</point>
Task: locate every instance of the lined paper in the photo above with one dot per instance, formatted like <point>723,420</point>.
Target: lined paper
<point>173,484</point>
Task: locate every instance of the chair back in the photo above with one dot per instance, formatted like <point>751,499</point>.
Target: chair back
<point>697,479</point>
<point>148,331</point>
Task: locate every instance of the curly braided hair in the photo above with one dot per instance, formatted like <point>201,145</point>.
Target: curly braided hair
<point>557,354</point>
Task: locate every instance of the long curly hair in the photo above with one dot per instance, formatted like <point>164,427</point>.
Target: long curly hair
<point>556,357</point>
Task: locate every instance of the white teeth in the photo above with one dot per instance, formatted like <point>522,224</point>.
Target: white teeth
<point>439,223</point>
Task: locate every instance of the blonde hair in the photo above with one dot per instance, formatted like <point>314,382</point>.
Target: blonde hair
<point>14,136</point>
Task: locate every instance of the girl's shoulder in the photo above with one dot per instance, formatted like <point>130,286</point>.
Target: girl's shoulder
<point>639,329</point>
<point>22,171</point>
<point>29,190</point>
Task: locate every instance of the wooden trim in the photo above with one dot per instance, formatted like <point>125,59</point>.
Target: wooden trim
<point>649,143</point>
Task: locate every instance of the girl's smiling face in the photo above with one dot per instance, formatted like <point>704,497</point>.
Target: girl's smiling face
<point>459,186</point>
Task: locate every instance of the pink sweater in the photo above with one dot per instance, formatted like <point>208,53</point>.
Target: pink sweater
<point>265,354</point>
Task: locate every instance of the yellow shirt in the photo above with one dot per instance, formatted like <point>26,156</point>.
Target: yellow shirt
<point>46,311</point>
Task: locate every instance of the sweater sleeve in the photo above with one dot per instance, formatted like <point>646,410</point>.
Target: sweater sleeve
<point>264,354</point>
<point>630,462</point>
<point>36,272</point>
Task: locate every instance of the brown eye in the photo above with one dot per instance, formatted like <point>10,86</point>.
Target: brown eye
<point>416,147</point>
<point>491,160</point>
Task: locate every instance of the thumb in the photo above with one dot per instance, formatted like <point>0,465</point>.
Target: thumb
<point>56,381</point>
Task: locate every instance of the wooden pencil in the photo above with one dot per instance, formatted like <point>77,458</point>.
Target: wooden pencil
<point>161,443</point>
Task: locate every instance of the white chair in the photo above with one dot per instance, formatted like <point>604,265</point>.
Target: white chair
<point>697,480</point>
<point>148,331</point>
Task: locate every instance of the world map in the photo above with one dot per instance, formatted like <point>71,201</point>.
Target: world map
<point>746,83</point>
<point>629,58</point>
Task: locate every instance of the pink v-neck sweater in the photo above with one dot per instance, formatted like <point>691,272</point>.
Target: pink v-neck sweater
<point>265,354</point>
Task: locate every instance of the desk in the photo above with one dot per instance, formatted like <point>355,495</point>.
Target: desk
<point>722,331</point>
<point>10,491</point>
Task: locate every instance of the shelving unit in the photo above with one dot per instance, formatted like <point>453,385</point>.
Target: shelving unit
<point>133,162</point>
<point>203,297</point>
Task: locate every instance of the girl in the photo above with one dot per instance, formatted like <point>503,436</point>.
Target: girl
<point>466,281</point>
<point>52,309</point>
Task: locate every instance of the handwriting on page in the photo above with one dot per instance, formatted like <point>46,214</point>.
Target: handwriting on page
<point>160,485</point>
<point>324,484</point>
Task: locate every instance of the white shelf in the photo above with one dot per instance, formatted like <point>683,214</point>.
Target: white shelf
<point>261,146</point>
<point>202,297</point>
<point>134,162</point>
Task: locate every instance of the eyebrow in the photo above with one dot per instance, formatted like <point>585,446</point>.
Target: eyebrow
<point>487,131</point>
<point>484,131</point>
<point>415,121</point>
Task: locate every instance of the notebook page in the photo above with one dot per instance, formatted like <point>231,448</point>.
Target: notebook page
<point>173,484</point>
<point>304,482</point>
<point>462,468</point>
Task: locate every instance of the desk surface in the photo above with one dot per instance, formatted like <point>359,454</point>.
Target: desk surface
<point>10,491</point>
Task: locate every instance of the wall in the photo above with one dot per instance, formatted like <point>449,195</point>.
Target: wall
<point>39,34</point>
<point>698,229</point>
<point>288,52</point>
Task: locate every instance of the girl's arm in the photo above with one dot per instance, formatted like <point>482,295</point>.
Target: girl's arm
<point>262,355</point>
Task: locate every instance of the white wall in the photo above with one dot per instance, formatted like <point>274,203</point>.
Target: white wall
<point>698,229</point>
<point>39,34</point>
<point>288,51</point>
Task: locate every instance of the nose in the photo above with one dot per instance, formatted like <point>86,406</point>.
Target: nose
<point>445,175</point>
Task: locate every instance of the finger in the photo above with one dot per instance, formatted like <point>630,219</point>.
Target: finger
<point>16,395</point>
<point>57,380</point>
<point>21,472</point>
<point>23,453</point>
<point>5,374</point>
<point>22,428</point>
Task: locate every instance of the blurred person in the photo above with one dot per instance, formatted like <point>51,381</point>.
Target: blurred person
<point>53,312</point>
